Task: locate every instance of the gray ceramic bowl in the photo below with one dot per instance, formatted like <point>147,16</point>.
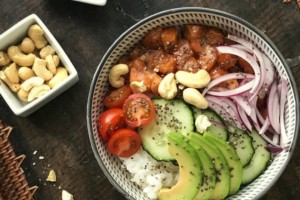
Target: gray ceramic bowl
<point>111,165</point>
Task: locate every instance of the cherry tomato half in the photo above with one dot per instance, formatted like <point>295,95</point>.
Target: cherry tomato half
<point>138,110</point>
<point>117,97</point>
<point>124,143</point>
<point>110,121</point>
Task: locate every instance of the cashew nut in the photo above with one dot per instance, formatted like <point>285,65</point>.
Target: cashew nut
<point>194,97</point>
<point>36,33</point>
<point>39,68</point>
<point>56,60</point>
<point>31,82</point>
<point>11,73</point>
<point>13,86</point>
<point>193,80</point>
<point>47,50</point>
<point>50,64</point>
<point>27,45</point>
<point>167,88</point>
<point>25,73</point>
<point>138,86</point>
<point>61,74</point>
<point>115,75</point>
<point>23,95</point>
<point>4,58</point>
<point>38,91</point>
<point>19,58</point>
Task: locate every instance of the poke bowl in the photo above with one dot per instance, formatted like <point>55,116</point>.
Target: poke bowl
<point>277,130</point>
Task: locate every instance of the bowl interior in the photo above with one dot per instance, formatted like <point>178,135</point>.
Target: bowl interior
<point>111,165</point>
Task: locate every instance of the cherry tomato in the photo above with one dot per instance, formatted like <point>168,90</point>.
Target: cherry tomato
<point>110,121</point>
<point>138,110</point>
<point>116,98</point>
<point>124,143</point>
<point>169,38</point>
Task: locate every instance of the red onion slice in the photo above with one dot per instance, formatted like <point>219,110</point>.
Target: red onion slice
<point>233,92</point>
<point>283,96</point>
<point>225,78</point>
<point>273,107</point>
<point>244,118</point>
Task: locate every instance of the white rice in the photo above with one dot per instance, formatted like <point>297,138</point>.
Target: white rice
<point>150,174</point>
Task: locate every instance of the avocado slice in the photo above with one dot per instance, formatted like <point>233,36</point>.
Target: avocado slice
<point>209,175</point>
<point>190,170</point>
<point>233,161</point>
<point>222,187</point>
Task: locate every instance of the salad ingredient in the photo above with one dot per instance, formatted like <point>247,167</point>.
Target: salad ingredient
<point>171,115</point>
<point>32,82</point>
<point>46,51</point>
<point>193,80</point>
<point>13,86</point>
<point>37,92</point>
<point>66,195</point>
<point>36,33</point>
<point>51,176</point>
<point>138,110</point>
<point>19,58</point>
<point>167,88</point>
<point>27,46</point>
<point>25,73</point>
<point>138,87</point>
<point>109,121</point>
<point>60,76</point>
<point>190,169</point>
<point>202,123</point>
<point>153,38</point>
<point>217,124</point>
<point>259,160</point>
<point>116,74</point>
<point>116,97</point>
<point>233,161</point>
<point>23,95</point>
<point>283,96</point>
<point>4,59</point>
<point>169,38</point>
<point>40,69</point>
<point>124,142</point>
<point>222,187</point>
<point>194,97</point>
<point>50,64</point>
<point>209,175</point>
<point>242,143</point>
<point>11,73</point>
<point>147,173</point>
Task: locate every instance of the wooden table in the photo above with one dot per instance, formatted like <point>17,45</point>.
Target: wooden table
<point>58,131</point>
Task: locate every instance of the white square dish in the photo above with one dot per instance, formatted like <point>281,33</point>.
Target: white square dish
<point>13,36</point>
<point>94,2</point>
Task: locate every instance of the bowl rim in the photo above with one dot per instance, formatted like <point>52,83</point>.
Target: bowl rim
<point>180,10</point>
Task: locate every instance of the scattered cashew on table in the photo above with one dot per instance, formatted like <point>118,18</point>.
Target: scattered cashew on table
<point>32,68</point>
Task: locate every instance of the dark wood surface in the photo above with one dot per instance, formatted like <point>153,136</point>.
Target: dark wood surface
<point>58,131</point>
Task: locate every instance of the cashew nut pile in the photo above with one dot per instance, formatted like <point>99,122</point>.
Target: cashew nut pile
<point>32,68</point>
<point>192,81</point>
